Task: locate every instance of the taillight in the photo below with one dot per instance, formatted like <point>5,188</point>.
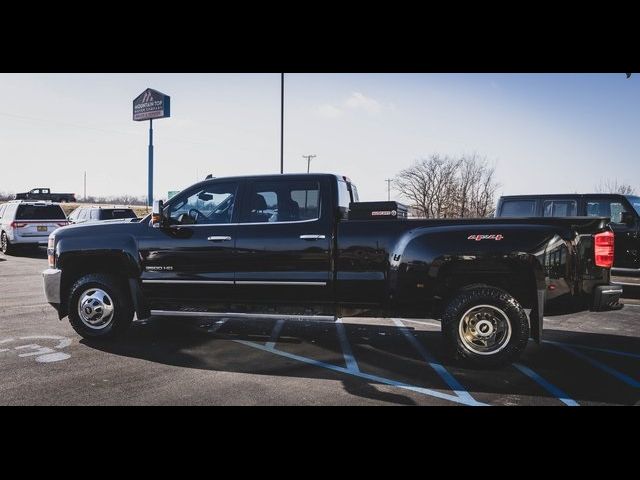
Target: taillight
<point>603,250</point>
<point>51,255</point>
<point>17,225</point>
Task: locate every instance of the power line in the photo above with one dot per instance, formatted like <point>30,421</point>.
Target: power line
<point>309,158</point>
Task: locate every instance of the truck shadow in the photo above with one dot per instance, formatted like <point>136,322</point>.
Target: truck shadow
<point>39,252</point>
<point>386,356</point>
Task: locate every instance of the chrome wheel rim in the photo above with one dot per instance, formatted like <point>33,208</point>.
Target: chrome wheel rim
<point>95,308</point>
<point>485,329</point>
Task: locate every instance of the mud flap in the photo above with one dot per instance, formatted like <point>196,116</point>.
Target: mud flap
<point>140,306</point>
<point>536,317</point>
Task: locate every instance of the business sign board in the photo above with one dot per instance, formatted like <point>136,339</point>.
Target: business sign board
<point>151,104</point>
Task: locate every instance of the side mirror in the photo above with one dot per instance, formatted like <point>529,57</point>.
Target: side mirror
<point>157,214</point>
<point>627,218</point>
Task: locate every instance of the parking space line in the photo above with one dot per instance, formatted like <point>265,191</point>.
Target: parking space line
<point>349,359</point>
<point>597,349</point>
<point>442,372</point>
<point>275,333</point>
<point>552,389</point>
<point>605,368</point>
<point>366,376</point>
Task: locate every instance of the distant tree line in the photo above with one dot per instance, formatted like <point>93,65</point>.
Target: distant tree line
<point>113,199</point>
<point>447,187</point>
<point>608,185</point>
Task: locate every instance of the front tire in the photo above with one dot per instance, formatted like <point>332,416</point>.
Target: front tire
<point>485,327</point>
<point>99,308</point>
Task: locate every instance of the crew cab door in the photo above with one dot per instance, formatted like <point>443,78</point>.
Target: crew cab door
<point>191,262</point>
<point>283,241</point>
<point>627,248</point>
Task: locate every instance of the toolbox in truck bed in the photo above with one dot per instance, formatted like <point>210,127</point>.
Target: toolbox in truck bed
<point>377,210</point>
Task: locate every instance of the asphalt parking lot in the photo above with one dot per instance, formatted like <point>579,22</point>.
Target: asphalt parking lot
<point>586,359</point>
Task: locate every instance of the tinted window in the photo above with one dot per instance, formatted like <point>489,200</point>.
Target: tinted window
<point>635,201</point>
<point>212,204</point>
<point>518,208</point>
<point>74,215</point>
<point>344,196</point>
<point>606,208</point>
<point>40,212</point>
<point>559,208</point>
<point>110,214</point>
<point>282,201</point>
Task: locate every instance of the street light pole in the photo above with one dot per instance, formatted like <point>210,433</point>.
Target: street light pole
<point>282,123</point>
<point>389,180</point>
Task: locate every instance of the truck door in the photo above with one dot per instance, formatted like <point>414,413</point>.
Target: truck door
<point>192,260</point>
<point>627,253</point>
<point>284,238</point>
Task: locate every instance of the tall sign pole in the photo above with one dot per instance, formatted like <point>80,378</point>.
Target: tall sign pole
<point>148,105</point>
<point>150,179</point>
<point>282,123</point>
<point>389,180</point>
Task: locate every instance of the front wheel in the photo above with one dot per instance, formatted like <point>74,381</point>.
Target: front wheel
<point>485,326</point>
<point>99,307</point>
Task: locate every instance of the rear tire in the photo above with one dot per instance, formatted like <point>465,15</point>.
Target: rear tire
<point>485,327</point>
<point>99,307</point>
<point>5,245</point>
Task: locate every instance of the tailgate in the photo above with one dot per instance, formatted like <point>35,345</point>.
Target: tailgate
<point>37,228</point>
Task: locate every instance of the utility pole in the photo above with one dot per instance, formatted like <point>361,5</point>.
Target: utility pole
<point>389,180</point>
<point>85,185</point>
<point>282,123</point>
<point>309,158</point>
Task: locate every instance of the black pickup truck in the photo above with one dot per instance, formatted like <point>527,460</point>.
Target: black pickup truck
<point>284,246</point>
<point>46,194</point>
<point>623,210</point>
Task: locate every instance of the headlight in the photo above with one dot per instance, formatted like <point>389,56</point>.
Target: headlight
<point>51,251</point>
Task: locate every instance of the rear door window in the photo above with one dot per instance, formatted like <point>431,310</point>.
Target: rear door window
<point>559,208</point>
<point>282,201</point>
<point>40,212</point>
<point>518,208</point>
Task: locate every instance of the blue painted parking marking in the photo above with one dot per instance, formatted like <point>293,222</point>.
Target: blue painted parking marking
<point>605,368</point>
<point>275,333</point>
<point>449,379</point>
<point>349,359</point>
<point>366,376</point>
<point>549,387</point>
<point>595,349</point>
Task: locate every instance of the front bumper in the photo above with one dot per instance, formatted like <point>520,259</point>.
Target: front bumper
<point>607,297</point>
<point>52,278</point>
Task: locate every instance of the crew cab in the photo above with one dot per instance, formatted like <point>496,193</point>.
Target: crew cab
<point>623,210</point>
<point>46,194</point>
<point>285,246</point>
<point>28,224</point>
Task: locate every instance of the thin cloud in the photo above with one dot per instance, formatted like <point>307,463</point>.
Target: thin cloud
<point>329,111</point>
<point>359,101</point>
<point>356,101</point>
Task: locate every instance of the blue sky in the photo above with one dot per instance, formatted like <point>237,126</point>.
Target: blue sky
<point>543,132</point>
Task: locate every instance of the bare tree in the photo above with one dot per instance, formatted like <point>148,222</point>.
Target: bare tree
<point>442,187</point>
<point>608,185</point>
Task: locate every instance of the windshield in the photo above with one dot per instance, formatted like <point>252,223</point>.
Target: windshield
<point>635,201</point>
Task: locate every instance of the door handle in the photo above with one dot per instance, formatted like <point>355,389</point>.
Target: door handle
<point>219,238</point>
<point>312,237</point>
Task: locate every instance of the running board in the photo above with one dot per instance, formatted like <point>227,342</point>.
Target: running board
<point>180,313</point>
